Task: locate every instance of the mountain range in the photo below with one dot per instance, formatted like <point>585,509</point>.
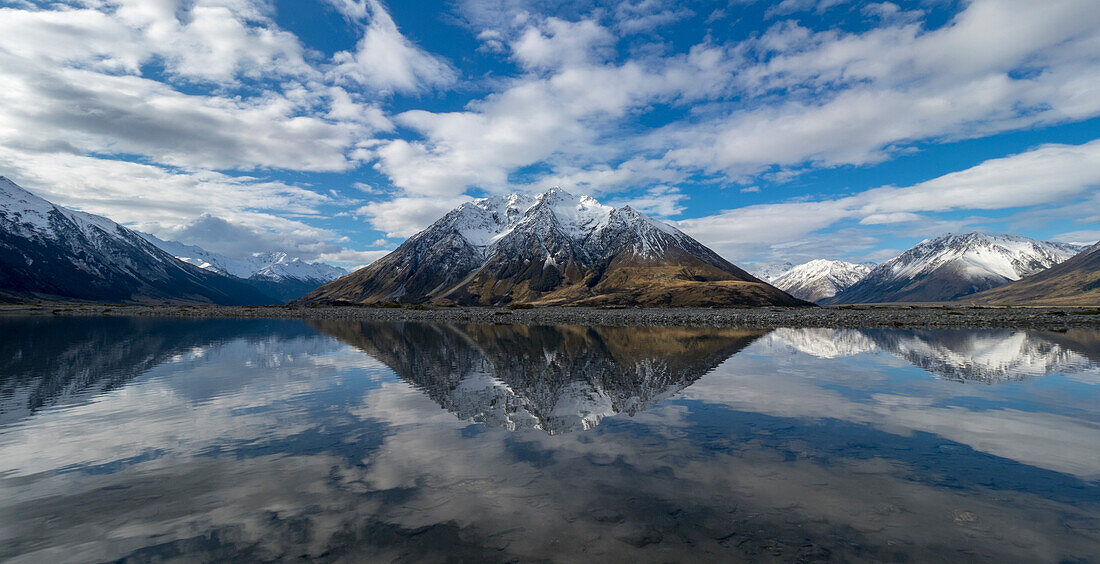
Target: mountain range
<point>819,279</point>
<point>49,252</point>
<point>954,266</point>
<point>551,249</point>
<point>274,273</point>
<point>946,268</point>
<point>54,253</point>
<point>1073,282</point>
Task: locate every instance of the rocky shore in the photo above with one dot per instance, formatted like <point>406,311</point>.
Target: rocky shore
<point>862,316</point>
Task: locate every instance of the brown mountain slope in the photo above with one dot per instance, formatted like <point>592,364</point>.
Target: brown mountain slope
<point>1073,282</point>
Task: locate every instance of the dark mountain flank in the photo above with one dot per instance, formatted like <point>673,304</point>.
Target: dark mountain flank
<point>54,253</point>
<point>552,249</point>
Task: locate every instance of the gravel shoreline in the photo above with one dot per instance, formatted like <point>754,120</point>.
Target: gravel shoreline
<point>863,316</point>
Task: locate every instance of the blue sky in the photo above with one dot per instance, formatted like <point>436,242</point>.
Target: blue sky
<point>771,131</point>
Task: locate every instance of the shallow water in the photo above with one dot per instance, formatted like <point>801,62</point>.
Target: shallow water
<point>147,439</point>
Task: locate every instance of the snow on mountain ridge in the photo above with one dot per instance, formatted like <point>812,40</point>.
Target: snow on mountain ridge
<point>821,278</point>
<point>272,265</point>
<point>1010,256</point>
<point>953,266</point>
<point>31,213</point>
<point>486,221</point>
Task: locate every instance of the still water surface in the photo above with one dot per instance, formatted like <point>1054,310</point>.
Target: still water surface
<point>198,440</point>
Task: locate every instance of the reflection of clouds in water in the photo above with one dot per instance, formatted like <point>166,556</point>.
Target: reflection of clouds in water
<point>754,384</point>
<point>599,488</point>
<point>388,474</point>
<point>182,407</point>
<point>619,495</point>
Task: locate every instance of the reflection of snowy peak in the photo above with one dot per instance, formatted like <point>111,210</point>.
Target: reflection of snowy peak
<point>961,354</point>
<point>984,356</point>
<point>824,343</point>
<point>953,266</point>
<point>557,379</point>
<point>819,279</point>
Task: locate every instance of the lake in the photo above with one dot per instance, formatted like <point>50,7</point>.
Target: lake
<point>143,439</point>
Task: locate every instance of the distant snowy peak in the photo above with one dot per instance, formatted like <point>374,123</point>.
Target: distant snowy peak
<point>772,272</point>
<point>819,279</point>
<point>274,266</point>
<point>980,255</point>
<point>280,267</point>
<point>953,266</point>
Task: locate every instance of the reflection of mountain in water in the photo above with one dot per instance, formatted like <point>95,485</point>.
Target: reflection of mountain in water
<point>825,343</point>
<point>557,379</point>
<point>989,355</point>
<point>47,361</point>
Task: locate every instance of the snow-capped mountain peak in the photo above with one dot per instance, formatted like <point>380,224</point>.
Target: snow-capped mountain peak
<point>551,248</point>
<point>275,266</point>
<point>485,222</point>
<point>981,254</point>
<point>30,214</point>
<point>488,220</point>
<point>821,278</point>
<point>57,253</point>
<point>956,265</point>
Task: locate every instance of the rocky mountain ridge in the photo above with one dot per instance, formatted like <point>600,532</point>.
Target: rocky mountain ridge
<point>820,279</point>
<point>50,252</point>
<point>1073,282</point>
<point>551,249</point>
<point>274,273</point>
<point>953,266</point>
